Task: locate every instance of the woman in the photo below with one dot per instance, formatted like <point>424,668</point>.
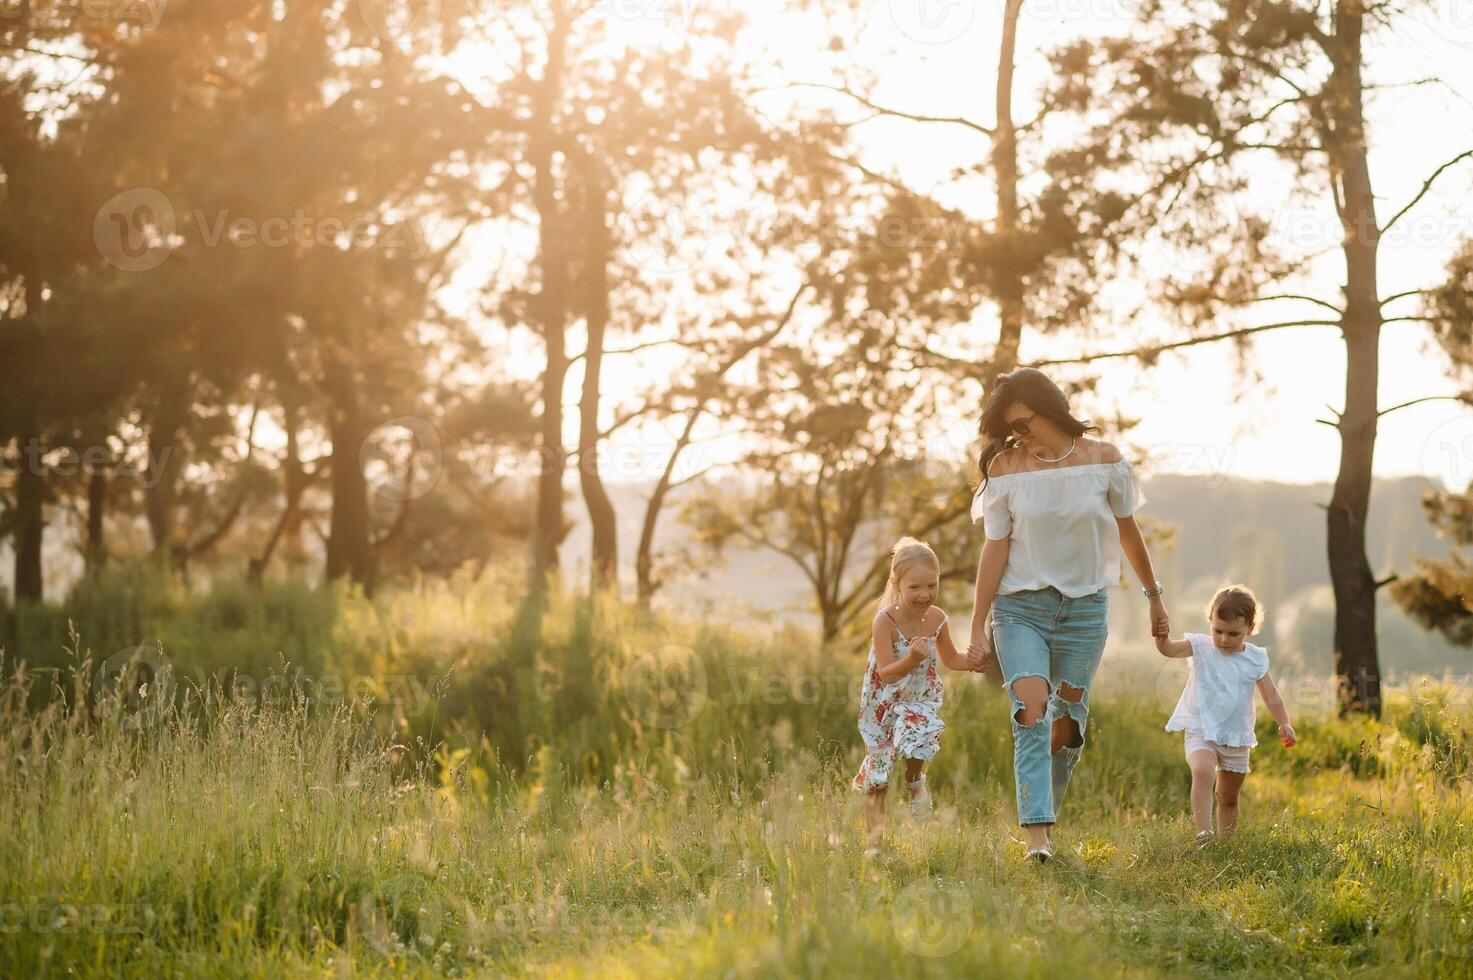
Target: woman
<point>1053,503</point>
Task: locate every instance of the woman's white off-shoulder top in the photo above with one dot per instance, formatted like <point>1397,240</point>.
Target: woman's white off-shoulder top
<point>1062,524</point>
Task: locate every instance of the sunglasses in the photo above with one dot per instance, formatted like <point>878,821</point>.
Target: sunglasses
<point>1020,426</point>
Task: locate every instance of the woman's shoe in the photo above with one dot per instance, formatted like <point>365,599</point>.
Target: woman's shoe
<point>1038,855</point>
<point>1204,837</point>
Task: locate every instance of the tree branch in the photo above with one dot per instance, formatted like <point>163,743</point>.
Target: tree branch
<point>1410,292</point>
<point>631,350</point>
<point>1308,299</point>
<point>887,111</point>
<point>1465,399</point>
<point>1149,353</point>
<point>1427,186</point>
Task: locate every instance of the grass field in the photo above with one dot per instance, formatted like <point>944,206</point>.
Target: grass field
<point>511,805</point>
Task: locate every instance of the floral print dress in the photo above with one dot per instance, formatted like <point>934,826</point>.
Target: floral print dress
<point>902,717</point>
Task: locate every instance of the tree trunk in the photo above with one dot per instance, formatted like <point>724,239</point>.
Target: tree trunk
<point>162,477</point>
<point>30,496</point>
<point>832,622</point>
<point>97,485</point>
<point>644,560</point>
<point>605,554</point>
<point>1009,279</point>
<point>644,564</point>
<point>552,315</point>
<point>1357,667</point>
<point>294,484</point>
<point>348,550</point>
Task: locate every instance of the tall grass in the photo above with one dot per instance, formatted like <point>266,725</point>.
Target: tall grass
<point>632,795</point>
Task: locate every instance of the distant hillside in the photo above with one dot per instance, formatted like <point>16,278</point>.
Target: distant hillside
<point>1272,534</point>
<point>1206,515</point>
<point>1269,534</point>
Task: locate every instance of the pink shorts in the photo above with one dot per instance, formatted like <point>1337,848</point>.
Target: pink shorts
<point>1230,758</point>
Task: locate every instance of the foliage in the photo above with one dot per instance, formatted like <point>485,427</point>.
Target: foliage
<point>227,835</point>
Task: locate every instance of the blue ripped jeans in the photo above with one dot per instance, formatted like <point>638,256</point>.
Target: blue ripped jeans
<point>1044,633</point>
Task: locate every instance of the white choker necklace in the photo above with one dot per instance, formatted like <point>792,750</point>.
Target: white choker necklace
<point>1065,456</point>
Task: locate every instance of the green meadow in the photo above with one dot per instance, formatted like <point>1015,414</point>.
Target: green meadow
<point>420,785</point>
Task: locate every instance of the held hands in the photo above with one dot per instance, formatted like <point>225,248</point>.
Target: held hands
<point>1160,622</point>
<point>1287,736</point>
<point>980,655</point>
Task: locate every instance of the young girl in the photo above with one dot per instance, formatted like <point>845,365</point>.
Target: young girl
<point>900,704</point>
<point>1217,710</point>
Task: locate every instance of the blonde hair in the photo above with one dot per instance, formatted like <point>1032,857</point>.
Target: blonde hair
<point>907,552</point>
<point>1237,602</point>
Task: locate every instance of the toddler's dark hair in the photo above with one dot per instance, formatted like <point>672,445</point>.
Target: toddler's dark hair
<point>1237,602</point>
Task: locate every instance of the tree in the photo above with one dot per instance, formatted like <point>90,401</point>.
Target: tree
<point>1438,594</point>
<point>1207,86</point>
<point>274,279</point>
<point>45,258</point>
<point>832,404</point>
<point>1040,264</point>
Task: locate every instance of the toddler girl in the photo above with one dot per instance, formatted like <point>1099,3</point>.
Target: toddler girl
<point>1217,709</point>
<point>900,704</point>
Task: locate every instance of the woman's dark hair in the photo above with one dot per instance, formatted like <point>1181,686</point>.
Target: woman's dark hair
<point>1033,388</point>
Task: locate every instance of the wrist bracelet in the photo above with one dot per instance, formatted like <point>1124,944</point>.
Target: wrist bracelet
<point>1153,592</point>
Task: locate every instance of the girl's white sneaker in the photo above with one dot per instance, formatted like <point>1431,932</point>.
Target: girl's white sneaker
<point>1204,837</point>
<point>1038,855</point>
<point>920,804</point>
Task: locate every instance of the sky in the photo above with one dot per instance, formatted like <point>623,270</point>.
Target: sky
<point>1200,411</point>
<point>1198,415</point>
